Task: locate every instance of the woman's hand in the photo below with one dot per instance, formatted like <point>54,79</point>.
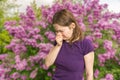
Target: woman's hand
<point>59,39</point>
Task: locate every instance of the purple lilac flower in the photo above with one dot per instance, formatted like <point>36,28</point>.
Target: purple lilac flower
<point>103,24</point>
<point>44,67</point>
<point>23,77</point>
<point>56,7</point>
<point>97,34</point>
<point>114,37</point>
<point>42,55</point>
<point>90,19</point>
<point>96,45</point>
<point>30,42</point>
<point>74,9</point>
<point>109,77</point>
<point>38,37</point>
<point>108,45</point>
<point>36,58</point>
<point>96,73</point>
<point>50,35</point>
<point>44,11</point>
<point>21,65</point>
<point>96,13</point>
<point>2,73</point>
<point>102,79</point>
<point>30,13</point>
<point>106,56</point>
<point>10,23</point>
<point>45,47</point>
<point>3,56</point>
<point>32,32</point>
<point>16,46</point>
<point>15,75</point>
<point>17,59</point>
<point>82,26</point>
<point>43,24</point>
<point>26,20</point>
<point>101,59</point>
<point>28,68</point>
<point>49,74</point>
<point>33,73</point>
<point>19,48</point>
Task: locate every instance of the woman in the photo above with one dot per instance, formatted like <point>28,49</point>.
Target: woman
<point>71,54</point>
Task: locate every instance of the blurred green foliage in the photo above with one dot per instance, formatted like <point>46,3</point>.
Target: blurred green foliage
<point>5,15</point>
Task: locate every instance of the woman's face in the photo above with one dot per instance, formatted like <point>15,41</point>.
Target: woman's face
<point>65,31</point>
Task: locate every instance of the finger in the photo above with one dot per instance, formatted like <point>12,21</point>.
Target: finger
<point>59,34</point>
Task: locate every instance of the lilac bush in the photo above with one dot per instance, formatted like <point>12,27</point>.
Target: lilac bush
<point>33,36</point>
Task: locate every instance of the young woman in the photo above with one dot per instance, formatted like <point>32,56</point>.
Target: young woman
<point>72,54</point>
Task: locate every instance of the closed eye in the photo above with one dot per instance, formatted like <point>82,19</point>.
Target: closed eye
<point>59,31</point>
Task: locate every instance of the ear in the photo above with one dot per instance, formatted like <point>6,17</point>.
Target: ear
<point>72,25</point>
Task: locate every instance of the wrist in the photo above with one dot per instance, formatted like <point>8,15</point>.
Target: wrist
<point>58,45</point>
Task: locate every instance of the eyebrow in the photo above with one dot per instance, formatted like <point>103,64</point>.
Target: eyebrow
<point>59,30</point>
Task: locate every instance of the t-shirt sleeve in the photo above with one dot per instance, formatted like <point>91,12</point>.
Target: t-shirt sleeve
<point>87,46</point>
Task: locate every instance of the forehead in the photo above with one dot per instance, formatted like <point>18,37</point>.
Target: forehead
<point>59,27</point>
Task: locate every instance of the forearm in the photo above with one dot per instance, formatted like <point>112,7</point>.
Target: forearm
<point>50,58</point>
<point>89,61</point>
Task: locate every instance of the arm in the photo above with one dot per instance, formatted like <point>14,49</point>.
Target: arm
<point>89,61</point>
<point>50,58</point>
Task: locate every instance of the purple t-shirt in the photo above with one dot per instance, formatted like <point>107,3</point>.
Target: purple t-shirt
<point>70,60</point>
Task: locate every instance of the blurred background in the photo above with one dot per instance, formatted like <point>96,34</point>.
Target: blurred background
<point>26,36</point>
<point>113,4</point>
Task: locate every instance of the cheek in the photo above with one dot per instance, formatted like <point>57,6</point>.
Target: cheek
<point>67,34</point>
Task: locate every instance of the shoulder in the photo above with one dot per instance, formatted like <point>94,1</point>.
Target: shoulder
<point>86,45</point>
<point>85,41</point>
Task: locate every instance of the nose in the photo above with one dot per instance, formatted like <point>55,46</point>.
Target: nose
<point>59,34</point>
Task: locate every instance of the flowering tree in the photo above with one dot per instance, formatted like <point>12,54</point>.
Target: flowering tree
<point>5,7</point>
<point>33,36</point>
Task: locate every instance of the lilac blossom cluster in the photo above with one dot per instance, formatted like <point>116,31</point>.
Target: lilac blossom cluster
<point>107,76</point>
<point>109,54</point>
<point>26,33</point>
